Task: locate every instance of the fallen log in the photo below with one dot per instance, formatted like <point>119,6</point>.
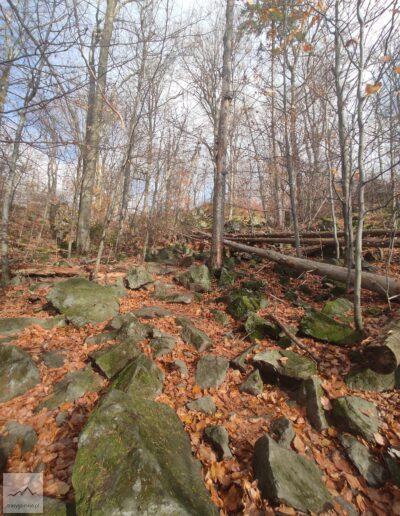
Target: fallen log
<point>383,355</point>
<point>313,234</point>
<point>322,241</point>
<point>62,272</point>
<point>383,285</point>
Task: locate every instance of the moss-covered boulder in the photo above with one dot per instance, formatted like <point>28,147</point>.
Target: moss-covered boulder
<point>140,379</point>
<point>227,278</point>
<point>162,345</point>
<point>211,371</point>
<point>356,416</point>
<point>138,277</point>
<point>18,373</point>
<point>113,359</point>
<point>368,380</point>
<point>258,328</point>
<point>152,312</point>
<point>135,458</point>
<point>197,278</point>
<point>339,308</point>
<point>13,325</point>
<point>220,317</point>
<point>192,335</point>
<point>288,478</point>
<point>284,364</point>
<point>242,302</point>
<point>82,301</point>
<point>72,387</point>
<point>322,327</point>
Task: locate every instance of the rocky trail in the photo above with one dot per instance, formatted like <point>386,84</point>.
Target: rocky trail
<point>162,390</point>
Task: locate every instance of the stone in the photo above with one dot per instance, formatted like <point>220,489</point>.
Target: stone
<point>256,285</point>
<point>283,340</point>
<point>61,418</point>
<point>82,301</point>
<point>363,460</point>
<point>11,326</point>
<point>286,477</point>
<point>15,433</point>
<point>166,292</point>
<point>211,371</point>
<point>227,278</point>
<point>284,363</point>
<point>152,312</point>
<point>53,359</point>
<point>239,361</point>
<point>253,384</point>
<point>345,507</point>
<point>218,436</point>
<point>18,372</point>
<point>138,277</point>
<point>205,404</point>
<point>356,416</point>
<point>339,308</point>
<point>101,338</point>
<point>162,345</point>
<point>322,327</point>
<point>167,255</point>
<point>128,327</point>
<point>113,359</point>
<point>135,458</point>
<point>194,336</point>
<point>55,507</point>
<point>258,328</point>
<point>368,380</point>
<point>314,408</point>
<point>282,431</point>
<point>72,387</point>
<point>140,379</point>
<point>181,366</point>
<point>392,461</point>
<point>243,302</point>
<point>221,317</point>
<point>197,278</point>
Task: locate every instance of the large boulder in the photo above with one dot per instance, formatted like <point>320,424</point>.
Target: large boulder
<point>18,373</point>
<point>140,379</point>
<point>192,335</point>
<point>211,371</point>
<point>369,380</point>
<point>138,277</point>
<point>13,325</point>
<point>284,364</point>
<point>243,302</point>
<point>322,327</point>
<point>258,328</point>
<point>197,278</point>
<point>72,387</point>
<point>356,416</point>
<point>136,459</point>
<point>83,301</point>
<point>339,308</point>
<point>288,478</point>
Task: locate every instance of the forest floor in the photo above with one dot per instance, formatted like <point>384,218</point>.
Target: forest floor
<point>246,417</point>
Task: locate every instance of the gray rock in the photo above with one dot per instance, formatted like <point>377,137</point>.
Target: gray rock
<point>239,362</point>
<point>205,404</point>
<point>162,345</point>
<point>282,431</point>
<point>197,278</point>
<point>322,327</point>
<point>53,359</point>
<point>253,384</point>
<point>211,371</point>
<point>347,508</point>
<point>138,277</point>
<point>61,418</point>
<point>356,416</point>
<point>55,507</point>
<point>82,301</point>
<point>18,373</point>
<point>72,387</point>
<point>152,312</point>
<point>218,436</point>
<point>113,359</point>
<point>285,477</point>
<point>227,278</point>
<point>135,458</point>
<point>11,326</point>
<point>194,336</point>
<point>181,366</point>
<point>315,411</point>
<point>140,379</point>
<point>284,363</point>
<point>15,433</point>
<point>221,317</point>
<point>363,460</point>
<point>128,327</point>
<point>368,380</point>
<point>258,328</point>
<point>101,338</point>
<point>167,255</point>
<point>167,293</point>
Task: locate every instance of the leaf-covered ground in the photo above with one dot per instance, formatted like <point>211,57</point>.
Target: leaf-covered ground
<point>246,417</point>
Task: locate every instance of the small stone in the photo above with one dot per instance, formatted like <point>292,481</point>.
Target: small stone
<point>356,416</point>
<point>373,472</point>
<point>18,373</point>
<point>392,461</point>
<point>181,366</point>
<point>315,410</point>
<point>346,507</point>
<point>253,384</point>
<point>165,292</point>
<point>194,336</point>
<point>239,362</point>
<point>282,430</point>
<point>219,438</point>
<point>205,404</point>
<point>211,371</point>
<point>113,359</point>
<point>53,359</point>
<point>368,380</point>
<point>138,277</point>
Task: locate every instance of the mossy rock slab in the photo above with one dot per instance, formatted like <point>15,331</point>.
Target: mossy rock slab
<point>138,277</point>
<point>82,301</point>
<point>322,327</point>
<point>368,380</point>
<point>284,363</point>
<point>243,302</point>
<point>339,308</point>
<point>258,328</point>
<point>140,379</point>
<point>11,326</point>
<point>194,336</point>
<point>18,372</point>
<point>286,477</point>
<point>135,458</point>
<point>211,371</point>
<point>72,387</point>
<point>356,416</point>
<point>113,359</point>
<point>197,278</point>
